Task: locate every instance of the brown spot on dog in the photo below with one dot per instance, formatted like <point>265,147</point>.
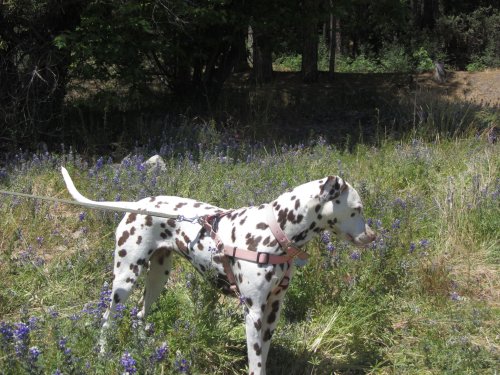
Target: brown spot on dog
<point>123,238</point>
<point>197,205</point>
<point>132,231</point>
<point>131,218</point>
<point>262,226</point>
<point>297,204</point>
<point>253,242</point>
<point>242,221</point>
<point>171,223</point>
<point>179,205</point>
<point>118,264</point>
<point>139,240</point>
<point>149,220</point>
<point>258,324</point>
<point>181,246</point>
<point>269,275</point>
<point>267,335</point>
<point>257,348</point>
<point>122,253</point>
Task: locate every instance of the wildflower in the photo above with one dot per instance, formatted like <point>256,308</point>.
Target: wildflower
<point>99,164</point>
<point>160,353</point>
<point>128,363</point>
<point>6,331</point>
<point>412,247</point>
<point>330,247</point>
<point>424,243</point>
<point>455,296</point>
<point>53,313</point>
<point>181,364</point>
<point>34,353</point>
<point>39,240</point>
<point>22,331</point>
<point>32,322</point>
<point>325,237</point>
<point>134,319</point>
<point>81,216</point>
<point>242,299</point>
<point>355,255</point>
<point>396,224</point>
<point>119,309</point>
<point>57,372</point>
<point>401,203</point>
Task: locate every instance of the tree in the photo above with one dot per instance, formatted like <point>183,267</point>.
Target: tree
<point>33,71</point>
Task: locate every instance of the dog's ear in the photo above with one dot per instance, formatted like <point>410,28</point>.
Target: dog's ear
<point>332,188</point>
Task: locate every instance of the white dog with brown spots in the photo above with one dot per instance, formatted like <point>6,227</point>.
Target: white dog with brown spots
<point>247,251</point>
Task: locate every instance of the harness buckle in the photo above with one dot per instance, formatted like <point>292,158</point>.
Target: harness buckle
<point>266,258</point>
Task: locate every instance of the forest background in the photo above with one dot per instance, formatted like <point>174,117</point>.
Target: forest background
<point>102,76</point>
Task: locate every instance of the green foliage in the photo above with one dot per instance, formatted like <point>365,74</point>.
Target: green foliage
<point>423,60</point>
<point>288,63</point>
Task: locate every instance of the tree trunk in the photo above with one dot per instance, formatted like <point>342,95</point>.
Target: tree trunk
<point>262,58</point>
<point>331,46</point>
<point>310,41</point>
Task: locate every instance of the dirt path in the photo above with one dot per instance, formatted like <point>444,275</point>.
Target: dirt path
<point>481,88</point>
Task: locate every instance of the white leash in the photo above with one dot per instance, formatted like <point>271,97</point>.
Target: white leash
<point>99,207</point>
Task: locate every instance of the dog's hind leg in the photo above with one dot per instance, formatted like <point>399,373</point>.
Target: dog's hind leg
<point>125,277</point>
<point>160,265</point>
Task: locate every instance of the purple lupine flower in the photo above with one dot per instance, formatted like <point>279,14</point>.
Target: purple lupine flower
<point>330,247</point>
<point>32,322</point>
<point>455,296</point>
<point>57,372</point>
<point>160,353</point>
<point>99,164</point>
<point>181,364</point>
<point>81,216</point>
<point>355,255</point>
<point>39,239</point>
<point>21,332</point>
<point>34,353</point>
<point>119,309</point>
<point>134,319</point>
<point>325,237</point>
<point>128,363</point>
<point>412,247</point>
<point>6,331</point>
<point>424,243</point>
<point>396,224</point>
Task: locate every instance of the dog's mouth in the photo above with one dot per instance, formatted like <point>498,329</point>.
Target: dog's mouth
<point>361,241</point>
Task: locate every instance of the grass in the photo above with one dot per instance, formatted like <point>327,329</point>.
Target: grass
<point>422,300</point>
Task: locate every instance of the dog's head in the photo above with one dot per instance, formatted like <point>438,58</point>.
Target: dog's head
<point>342,212</point>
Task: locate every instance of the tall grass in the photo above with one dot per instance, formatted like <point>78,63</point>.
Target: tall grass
<point>422,299</point>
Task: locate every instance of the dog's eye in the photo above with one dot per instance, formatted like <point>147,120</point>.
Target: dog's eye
<point>354,213</point>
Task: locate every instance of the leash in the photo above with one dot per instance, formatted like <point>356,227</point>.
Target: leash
<point>104,208</point>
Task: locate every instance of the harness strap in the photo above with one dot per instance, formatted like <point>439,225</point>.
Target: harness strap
<point>210,223</point>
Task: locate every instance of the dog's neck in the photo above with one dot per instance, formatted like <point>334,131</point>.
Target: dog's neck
<point>299,213</point>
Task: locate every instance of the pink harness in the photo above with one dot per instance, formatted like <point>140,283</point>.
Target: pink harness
<point>210,223</point>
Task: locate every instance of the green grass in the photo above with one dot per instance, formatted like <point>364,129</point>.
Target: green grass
<point>423,300</point>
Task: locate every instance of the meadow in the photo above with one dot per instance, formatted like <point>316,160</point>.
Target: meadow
<point>422,299</point>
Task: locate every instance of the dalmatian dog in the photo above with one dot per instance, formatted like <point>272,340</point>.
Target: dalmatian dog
<point>247,252</point>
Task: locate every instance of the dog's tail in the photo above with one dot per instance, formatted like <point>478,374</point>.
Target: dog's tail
<point>80,198</point>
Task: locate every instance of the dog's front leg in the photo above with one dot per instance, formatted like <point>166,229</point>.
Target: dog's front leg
<point>253,324</point>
